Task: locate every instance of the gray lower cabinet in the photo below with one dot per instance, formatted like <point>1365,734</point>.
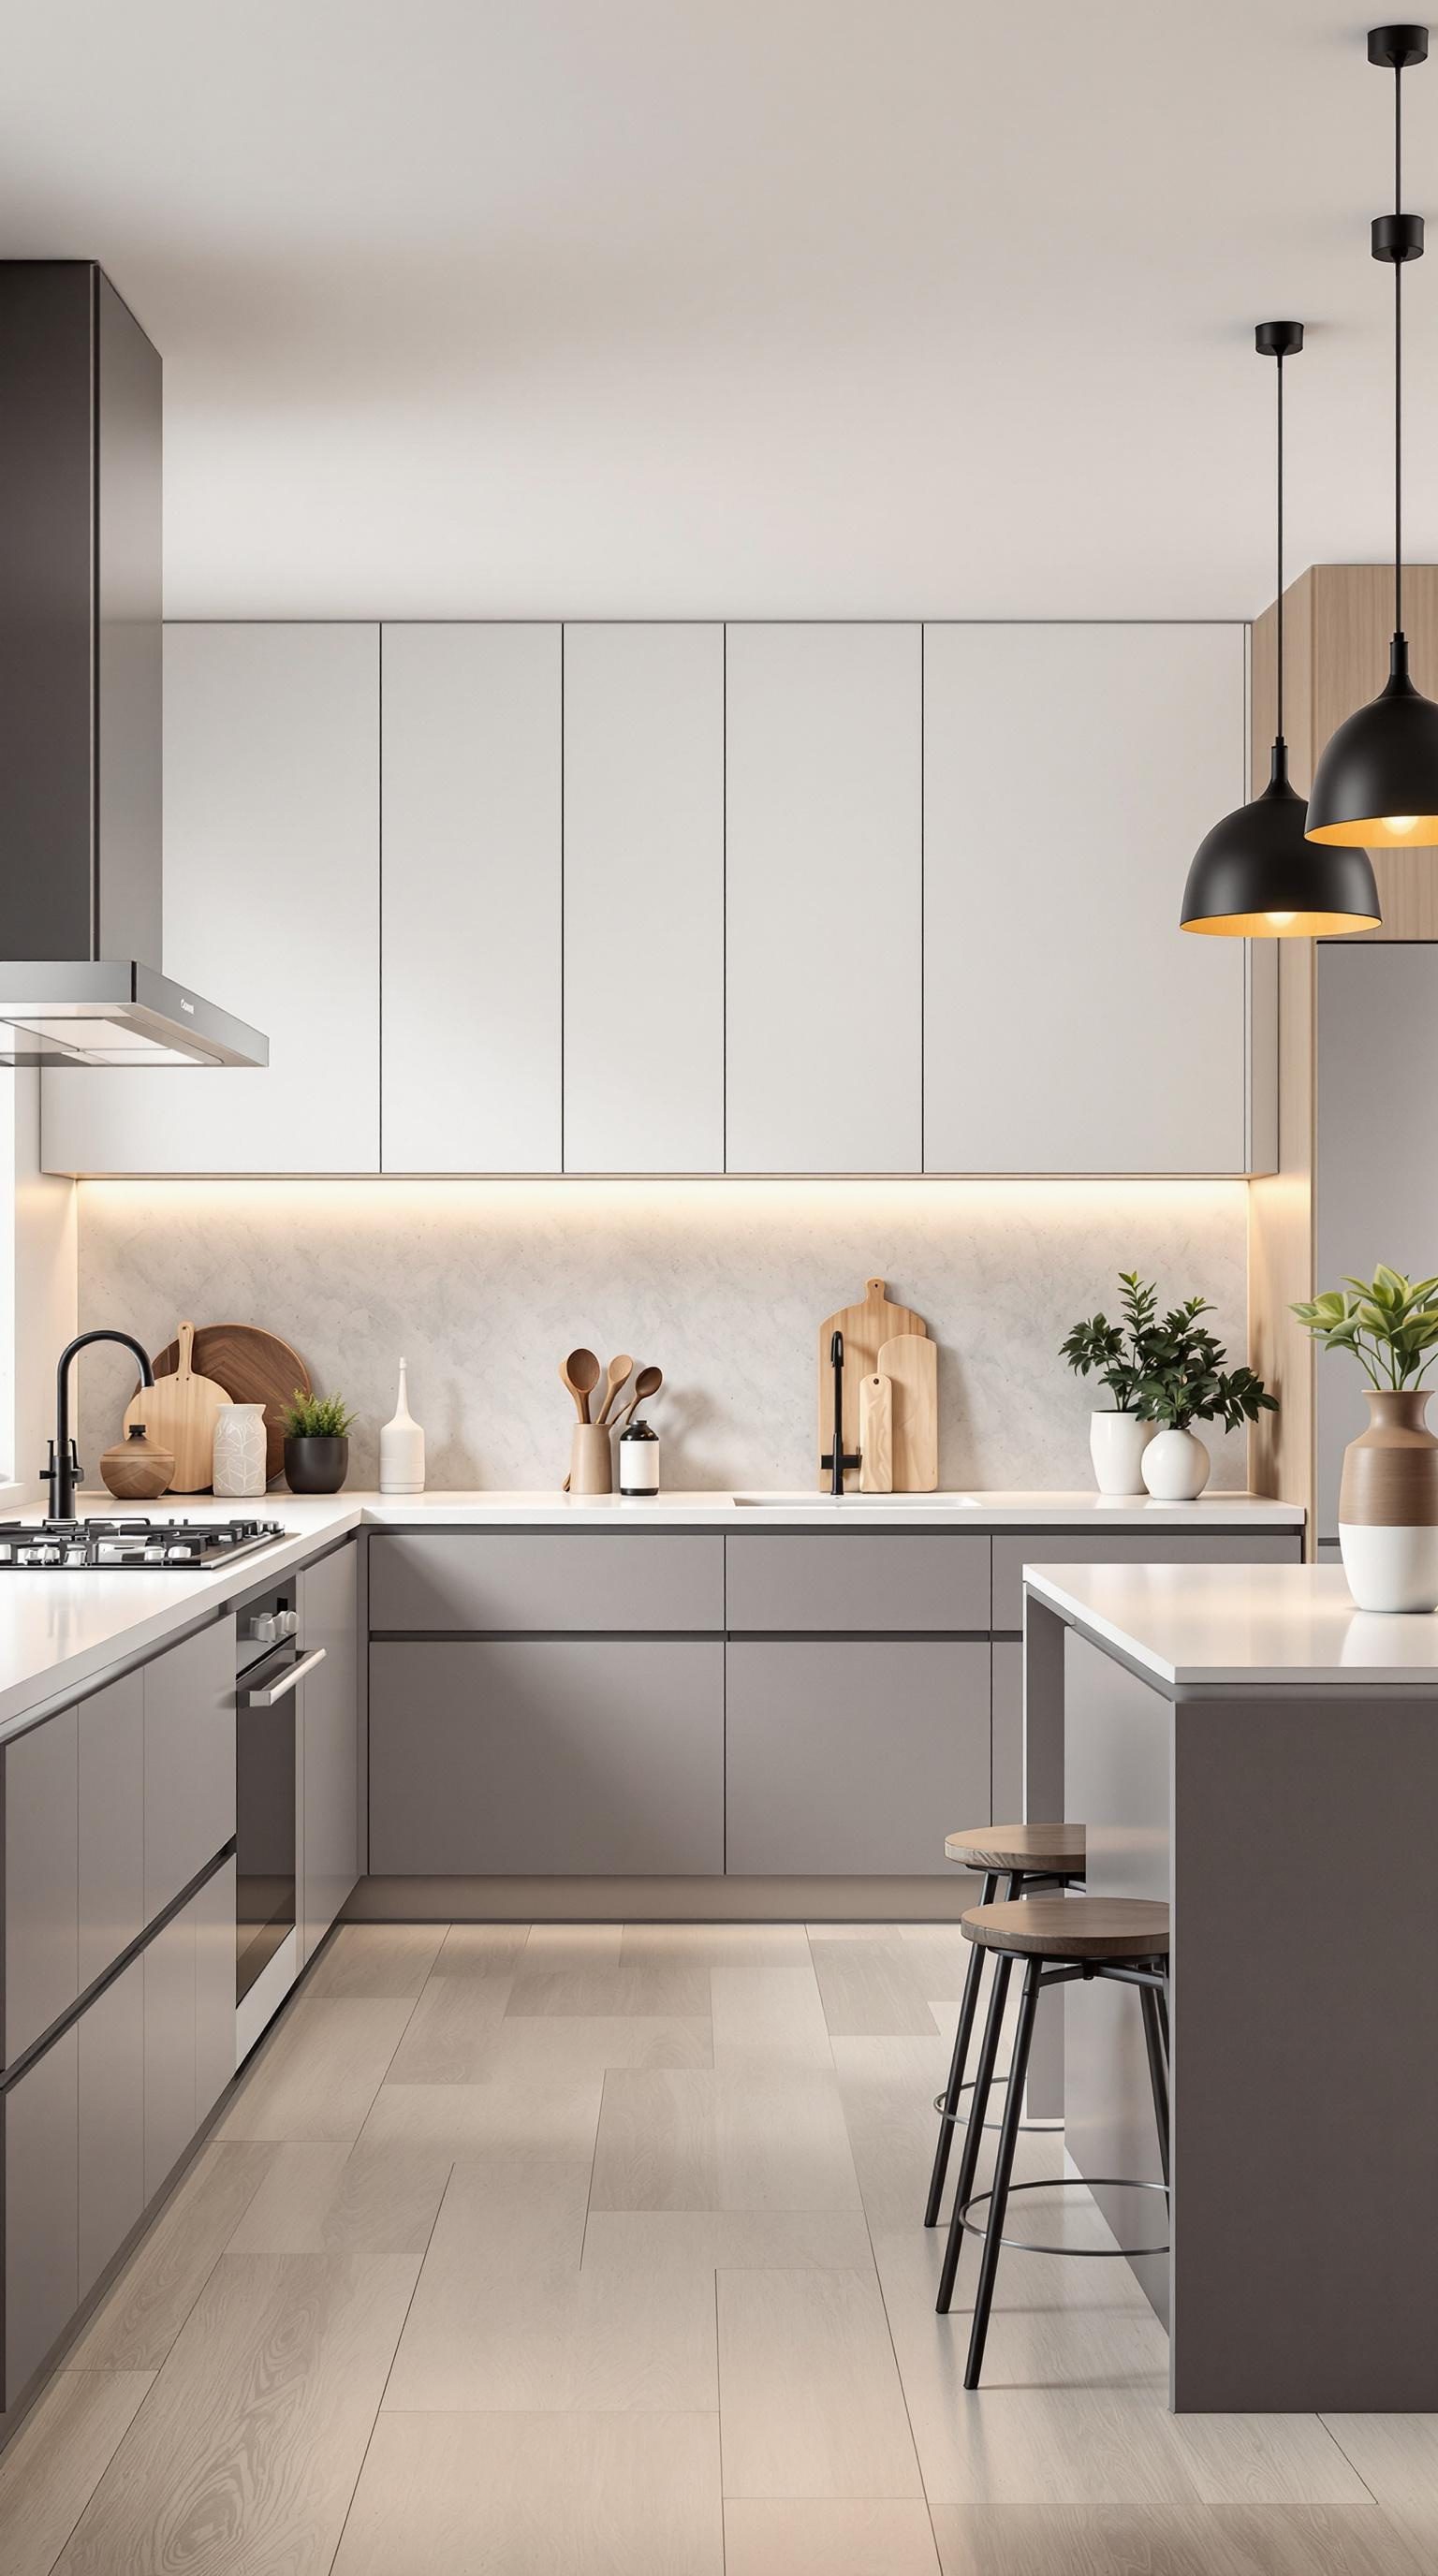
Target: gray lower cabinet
<point>169,1965</point>
<point>1008,1734</point>
<point>329,1725</point>
<point>39,1773</point>
<point>212,1909</point>
<point>112,2120</point>
<point>112,1824</point>
<point>550,1581</point>
<point>547,1755</point>
<point>888,1579</point>
<point>41,2151</point>
<point>854,1756</point>
<point>189,1760</point>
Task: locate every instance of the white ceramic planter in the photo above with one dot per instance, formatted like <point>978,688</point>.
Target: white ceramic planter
<point>1390,1568</point>
<point>1176,1466</point>
<point>239,1451</point>
<point>1116,1443</point>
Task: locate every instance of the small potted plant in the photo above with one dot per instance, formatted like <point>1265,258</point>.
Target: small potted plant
<point>1184,1382</point>
<point>317,1449</point>
<point>1114,1353</point>
<point>1388,1499</point>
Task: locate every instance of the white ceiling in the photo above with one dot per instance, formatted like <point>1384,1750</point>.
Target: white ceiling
<point>814,307</point>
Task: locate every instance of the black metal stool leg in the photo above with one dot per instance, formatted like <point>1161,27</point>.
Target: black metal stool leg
<point>968,2166</point>
<point>973,1978</point>
<point>1003,2172</point>
<point>1153,2032</point>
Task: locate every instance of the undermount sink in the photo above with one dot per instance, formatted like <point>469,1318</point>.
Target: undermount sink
<point>857,1502</point>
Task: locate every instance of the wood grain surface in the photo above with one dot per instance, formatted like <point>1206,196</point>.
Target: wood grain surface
<point>911,1364</point>
<point>876,1435</point>
<point>865,1327</point>
<point>253,1367</point>
<point>179,1413</point>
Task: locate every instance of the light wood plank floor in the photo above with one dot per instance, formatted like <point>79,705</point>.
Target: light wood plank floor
<point>592,2250</point>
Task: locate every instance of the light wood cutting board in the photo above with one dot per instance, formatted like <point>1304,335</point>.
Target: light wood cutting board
<point>253,1367</point>
<point>912,1369</point>
<point>179,1413</point>
<point>876,1429</point>
<point>865,1328</point>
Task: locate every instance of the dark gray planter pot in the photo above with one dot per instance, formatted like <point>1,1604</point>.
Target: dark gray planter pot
<point>316,1466</point>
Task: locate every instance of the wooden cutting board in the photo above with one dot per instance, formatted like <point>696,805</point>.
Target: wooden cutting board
<point>912,1369</point>
<point>253,1367</point>
<point>876,1430</point>
<point>179,1413</point>
<point>865,1328</point>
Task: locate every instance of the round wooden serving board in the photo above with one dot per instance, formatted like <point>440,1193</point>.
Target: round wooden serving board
<point>253,1367</point>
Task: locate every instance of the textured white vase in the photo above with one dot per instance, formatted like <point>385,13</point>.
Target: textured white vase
<point>1116,1443</point>
<point>1176,1466</point>
<point>239,1451</point>
<point>1390,1567</point>
<point>401,1447</point>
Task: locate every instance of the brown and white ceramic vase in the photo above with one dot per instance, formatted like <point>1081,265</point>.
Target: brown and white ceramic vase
<point>1388,1505</point>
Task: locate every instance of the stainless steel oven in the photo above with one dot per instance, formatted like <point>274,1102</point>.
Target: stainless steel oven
<point>270,1664</point>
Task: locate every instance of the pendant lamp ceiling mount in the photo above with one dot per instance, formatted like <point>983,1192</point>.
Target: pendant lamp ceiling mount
<point>1397,49</point>
<point>1278,339</point>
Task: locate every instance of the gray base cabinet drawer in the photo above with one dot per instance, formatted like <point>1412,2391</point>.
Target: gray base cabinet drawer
<point>212,1910</point>
<point>1135,1547</point>
<point>910,1579</point>
<point>169,1965</point>
<point>329,1727</point>
<point>39,1778</point>
<point>854,1758</point>
<point>552,1581</point>
<point>1008,1755</point>
<point>112,1823</point>
<point>112,2120</point>
<point>543,1756</point>
<point>41,2210</point>
<point>189,1761</point>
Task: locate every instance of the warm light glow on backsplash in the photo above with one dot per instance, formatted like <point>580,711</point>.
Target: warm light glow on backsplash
<point>483,1284</point>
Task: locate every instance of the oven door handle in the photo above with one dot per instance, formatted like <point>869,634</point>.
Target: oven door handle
<point>263,1694</point>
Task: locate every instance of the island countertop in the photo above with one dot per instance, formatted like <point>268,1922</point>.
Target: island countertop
<point>1206,1627</point>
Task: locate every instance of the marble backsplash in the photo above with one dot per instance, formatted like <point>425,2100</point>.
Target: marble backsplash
<point>483,1285</point>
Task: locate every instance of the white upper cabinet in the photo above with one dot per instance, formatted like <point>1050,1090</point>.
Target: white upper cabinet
<point>271,910</point>
<point>824,877</point>
<point>643,898</point>
<point>472,840</point>
<point>1070,773</point>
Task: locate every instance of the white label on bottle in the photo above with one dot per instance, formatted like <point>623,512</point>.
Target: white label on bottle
<point>639,1466</point>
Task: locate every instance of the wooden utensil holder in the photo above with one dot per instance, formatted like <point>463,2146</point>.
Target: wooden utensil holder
<point>591,1462</point>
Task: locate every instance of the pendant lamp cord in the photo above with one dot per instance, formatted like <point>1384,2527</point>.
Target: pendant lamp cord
<point>1278,743</point>
<point>1398,358</point>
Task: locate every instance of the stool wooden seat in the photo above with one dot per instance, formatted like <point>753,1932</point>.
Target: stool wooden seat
<point>1072,1927</point>
<point>1054,1850</point>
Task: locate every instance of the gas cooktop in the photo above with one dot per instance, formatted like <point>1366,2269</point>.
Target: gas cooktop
<point>125,1545</point>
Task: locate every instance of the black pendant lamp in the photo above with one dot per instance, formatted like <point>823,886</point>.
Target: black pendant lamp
<point>1255,876</point>
<point>1376,786</point>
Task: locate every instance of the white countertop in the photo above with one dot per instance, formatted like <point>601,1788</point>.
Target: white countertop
<point>59,1633</point>
<point>1260,1625</point>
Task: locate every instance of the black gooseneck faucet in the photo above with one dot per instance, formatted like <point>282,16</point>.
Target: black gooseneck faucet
<point>838,1458</point>
<point>63,1471</point>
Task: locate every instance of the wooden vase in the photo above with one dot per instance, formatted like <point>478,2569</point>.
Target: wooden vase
<point>137,1469</point>
<point>1388,1505</point>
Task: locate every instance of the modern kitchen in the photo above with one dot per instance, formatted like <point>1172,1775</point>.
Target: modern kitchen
<point>719,1257</point>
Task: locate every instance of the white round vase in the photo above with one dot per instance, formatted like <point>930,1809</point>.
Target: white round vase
<point>1390,1568</point>
<point>1176,1466</point>
<point>1116,1443</point>
<point>239,1452</point>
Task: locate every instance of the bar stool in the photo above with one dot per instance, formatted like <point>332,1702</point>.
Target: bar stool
<point>1031,1857</point>
<point>1058,1939</point>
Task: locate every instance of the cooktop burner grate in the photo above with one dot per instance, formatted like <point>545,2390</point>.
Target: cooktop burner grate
<point>128,1544</point>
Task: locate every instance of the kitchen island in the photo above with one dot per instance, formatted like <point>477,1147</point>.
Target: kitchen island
<point>1242,1742</point>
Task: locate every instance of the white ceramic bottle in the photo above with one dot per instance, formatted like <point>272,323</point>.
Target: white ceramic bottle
<point>401,1447</point>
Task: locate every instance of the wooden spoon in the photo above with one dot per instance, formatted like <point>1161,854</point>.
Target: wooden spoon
<point>621,1369</point>
<point>647,1383</point>
<point>580,1373</point>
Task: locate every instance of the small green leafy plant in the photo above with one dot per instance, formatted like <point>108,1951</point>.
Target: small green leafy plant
<point>1184,1380</point>
<point>1117,1353</point>
<point>1389,1323</point>
<point>317,1417</point>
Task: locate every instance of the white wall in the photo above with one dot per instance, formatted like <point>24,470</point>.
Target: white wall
<point>483,1285</point>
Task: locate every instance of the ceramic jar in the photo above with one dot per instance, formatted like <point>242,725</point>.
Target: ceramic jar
<point>1388,1505</point>
<point>137,1469</point>
<point>1116,1443</point>
<point>1176,1466</point>
<point>239,1450</point>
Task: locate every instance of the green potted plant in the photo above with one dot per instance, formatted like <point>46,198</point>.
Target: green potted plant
<point>1388,1499</point>
<point>1185,1381</point>
<point>1115,1353</point>
<point>317,1449</point>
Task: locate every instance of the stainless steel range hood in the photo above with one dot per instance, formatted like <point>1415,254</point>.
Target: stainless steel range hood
<point>80,689</point>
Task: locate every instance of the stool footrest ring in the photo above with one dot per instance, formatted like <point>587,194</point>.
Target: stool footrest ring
<point>960,2119</point>
<point>1066,2182</point>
